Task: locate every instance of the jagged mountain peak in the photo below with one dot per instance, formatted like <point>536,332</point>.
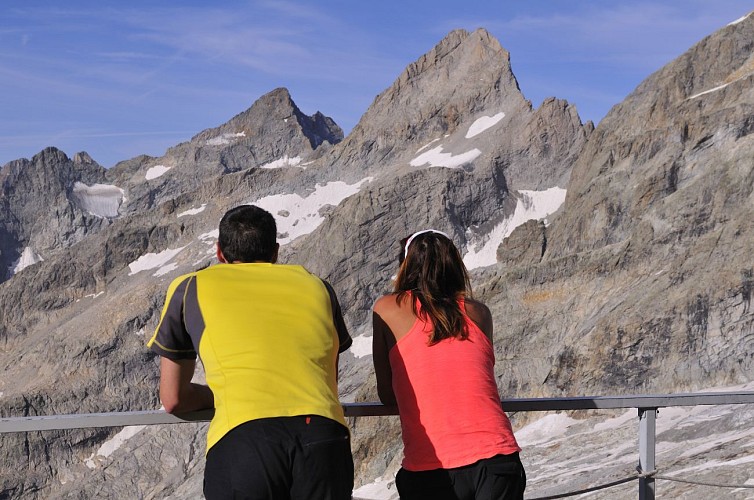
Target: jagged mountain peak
<point>272,132</point>
<point>443,75</point>
<point>48,156</point>
<point>277,104</point>
<point>668,310</point>
<point>463,76</point>
<point>480,44</point>
<point>82,157</point>
<point>268,112</point>
<point>48,203</point>
<point>51,162</point>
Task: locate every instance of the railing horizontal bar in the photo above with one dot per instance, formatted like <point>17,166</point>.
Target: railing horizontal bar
<point>633,401</point>
<point>87,420</point>
<point>153,417</point>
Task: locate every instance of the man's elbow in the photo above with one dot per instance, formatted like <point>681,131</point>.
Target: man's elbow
<point>170,403</point>
<point>191,398</point>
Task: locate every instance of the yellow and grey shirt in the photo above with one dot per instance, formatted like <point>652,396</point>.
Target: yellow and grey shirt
<point>268,336</point>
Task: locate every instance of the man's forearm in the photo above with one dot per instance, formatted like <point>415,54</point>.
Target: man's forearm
<point>194,397</point>
<point>177,393</point>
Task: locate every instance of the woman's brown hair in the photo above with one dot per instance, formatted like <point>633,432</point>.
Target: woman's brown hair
<point>433,273</point>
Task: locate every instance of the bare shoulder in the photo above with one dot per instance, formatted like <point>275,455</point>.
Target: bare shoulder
<point>476,309</point>
<point>481,315</point>
<point>385,304</point>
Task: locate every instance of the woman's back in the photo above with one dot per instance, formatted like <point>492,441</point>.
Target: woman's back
<point>447,396</point>
<point>433,357</point>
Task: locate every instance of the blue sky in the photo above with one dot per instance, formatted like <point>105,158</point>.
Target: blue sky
<point>119,79</point>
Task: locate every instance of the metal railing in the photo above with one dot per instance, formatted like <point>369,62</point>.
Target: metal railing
<point>647,406</point>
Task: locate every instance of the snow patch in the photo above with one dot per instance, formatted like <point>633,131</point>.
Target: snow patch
<point>28,257</point>
<point>101,200</point>
<point>740,19</point>
<point>618,445</point>
<point>156,172</point>
<point>544,429</point>
<point>427,145</point>
<point>284,162</point>
<point>530,205</point>
<point>710,443</point>
<point>380,489</point>
<point>153,260</point>
<point>362,346</point>
<point>714,464</point>
<point>617,422</point>
<point>193,211</point>
<point>294,214</point>
<point>304,212</point>
<point>709,91</point>
<point>166,269</point>
<point>210,237</point>
<point>436,158</point>
<point>112,444</point>
<point>482,124</point>
<point>224,139</point>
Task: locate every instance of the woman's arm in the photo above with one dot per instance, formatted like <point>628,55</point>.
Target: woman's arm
<point>381,344</point>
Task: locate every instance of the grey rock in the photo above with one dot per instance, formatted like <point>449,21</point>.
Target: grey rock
<point>525,246</point>
<point>641,282</point>
<point>40,207</point>
<point>273,128</point>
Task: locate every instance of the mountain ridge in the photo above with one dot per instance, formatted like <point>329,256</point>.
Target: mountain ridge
<point>624,288</point>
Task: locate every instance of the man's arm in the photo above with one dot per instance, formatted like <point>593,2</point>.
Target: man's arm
<point>344,338</point>
<point>177,393</point>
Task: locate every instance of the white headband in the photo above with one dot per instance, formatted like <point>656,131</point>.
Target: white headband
<point>411,238</point>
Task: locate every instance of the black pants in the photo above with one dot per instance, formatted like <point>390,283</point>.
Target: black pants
<point>501,477</point>
<point>284,458</point>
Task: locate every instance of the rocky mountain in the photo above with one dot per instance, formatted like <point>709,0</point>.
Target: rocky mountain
<point>631,277</point>
<point>48,203</point>
<point>272,133</point>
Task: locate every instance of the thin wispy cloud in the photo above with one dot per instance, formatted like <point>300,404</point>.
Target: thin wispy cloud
<point>615,32</point>
<point>78,134</point>
<point>90,77</point>
<point>278,46</point>
<point>127,56</point>
<point>301,11</point>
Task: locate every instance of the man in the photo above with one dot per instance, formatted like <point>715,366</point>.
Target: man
<point>269,336</point>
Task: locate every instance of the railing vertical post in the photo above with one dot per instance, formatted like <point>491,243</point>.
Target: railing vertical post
<point>647,429</point>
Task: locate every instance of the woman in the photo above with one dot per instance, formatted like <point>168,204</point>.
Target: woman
<point>433,357</point>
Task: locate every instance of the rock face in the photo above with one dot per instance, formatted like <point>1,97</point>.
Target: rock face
<point>525,246</point>
<point>434,102</point>
<point>45,205</point>
<point>664,188</point>
<point>272,132</point>
<point>640,282</point>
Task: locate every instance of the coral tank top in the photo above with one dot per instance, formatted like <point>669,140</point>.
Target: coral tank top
<point>447,397</point>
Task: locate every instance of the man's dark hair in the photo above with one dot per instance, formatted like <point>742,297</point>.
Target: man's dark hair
<point>248,234</point>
